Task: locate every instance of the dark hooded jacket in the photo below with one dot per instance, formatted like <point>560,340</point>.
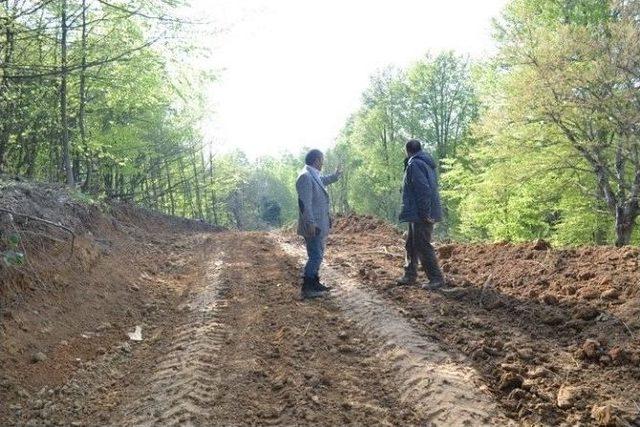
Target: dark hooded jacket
<point>420,198</point>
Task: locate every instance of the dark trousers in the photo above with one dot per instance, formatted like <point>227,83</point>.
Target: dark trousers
<point>419,247</point>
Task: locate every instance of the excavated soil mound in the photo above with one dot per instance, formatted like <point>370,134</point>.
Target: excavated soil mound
<point>352,223</point>
<point>589,280</point>
<point>554,331</point>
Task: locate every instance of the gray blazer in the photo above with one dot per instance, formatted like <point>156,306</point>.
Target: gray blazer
<point>313,202</point>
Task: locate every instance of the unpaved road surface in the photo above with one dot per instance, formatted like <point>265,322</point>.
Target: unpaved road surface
<point>249,352</point>
<point>239,347</point>
<point>227,340</point>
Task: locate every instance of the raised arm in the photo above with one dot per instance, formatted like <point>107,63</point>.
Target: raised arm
<point>330,179</point>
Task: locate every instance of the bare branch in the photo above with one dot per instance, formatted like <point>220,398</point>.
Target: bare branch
<point>45,221</point>
<point>144,15</point>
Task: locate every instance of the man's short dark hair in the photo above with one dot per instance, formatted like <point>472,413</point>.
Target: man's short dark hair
<point>312,156</point>
<point>413,146</point>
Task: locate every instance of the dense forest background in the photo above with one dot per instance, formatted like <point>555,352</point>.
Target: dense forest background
<point>540,141</point>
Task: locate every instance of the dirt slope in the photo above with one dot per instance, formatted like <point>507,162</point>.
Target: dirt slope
<point>70,307</point>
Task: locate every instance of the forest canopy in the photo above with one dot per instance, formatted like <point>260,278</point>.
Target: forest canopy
<point>539,141</point>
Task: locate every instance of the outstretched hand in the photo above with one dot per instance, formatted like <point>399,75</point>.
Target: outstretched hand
<point>339,170</point>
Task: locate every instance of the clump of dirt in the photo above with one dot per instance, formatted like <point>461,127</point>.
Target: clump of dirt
<point>534,320</point>
<point>352,223</point>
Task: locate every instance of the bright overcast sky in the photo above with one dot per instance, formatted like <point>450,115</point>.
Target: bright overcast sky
<point>292,71</point>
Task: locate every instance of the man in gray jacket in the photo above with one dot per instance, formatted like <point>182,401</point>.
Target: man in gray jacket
<point>314,219</point>
<point>421,208</point>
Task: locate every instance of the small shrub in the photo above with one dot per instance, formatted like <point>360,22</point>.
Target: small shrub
<point>11,256</point>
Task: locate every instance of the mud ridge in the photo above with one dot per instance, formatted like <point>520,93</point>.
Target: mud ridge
<point>435,382</point>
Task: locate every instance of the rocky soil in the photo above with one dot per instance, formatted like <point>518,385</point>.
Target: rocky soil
<point>555,333</point>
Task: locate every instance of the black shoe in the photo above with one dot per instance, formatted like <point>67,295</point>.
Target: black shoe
<point>434,285</point>
<point>320,286</point>
<point>406,280</point>
<point>309,289</point>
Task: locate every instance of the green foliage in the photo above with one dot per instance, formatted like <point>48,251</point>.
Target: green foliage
<point>84,198</point>
<point>271,212</point>
<point>567,85</point>
<point>11,255</point>
<point>434,100</point>
<point>539,142</point>
<point>131,114</point>
<point>542,142</point>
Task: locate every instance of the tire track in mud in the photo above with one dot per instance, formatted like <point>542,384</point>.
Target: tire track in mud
<point>436,383</point>
<point>182,389</point>
<point>290,363</point>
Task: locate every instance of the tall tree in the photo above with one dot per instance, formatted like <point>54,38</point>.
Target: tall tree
<point>577,72</point>
<point>64,119</point>
<point>442,102</point>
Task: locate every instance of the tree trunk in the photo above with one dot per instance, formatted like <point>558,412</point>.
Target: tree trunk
<point>32,154</point>
<point>144,186</point>
<point>108,181</point>
<point>206,207</point>
<point>76,167</point>
<point>156,195</point>
<point>236,208</point>
<point>121,186</point>
<point>64,119</point>
<point>196,182</point>
<point>214,210</point>
<point>188,197</point>
<point>83,98</point>
<point>625,222</point>
<point>170,189</point>
<point>4,85</point>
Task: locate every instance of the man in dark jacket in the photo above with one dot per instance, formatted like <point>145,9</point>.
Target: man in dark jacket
<point>421,208</point>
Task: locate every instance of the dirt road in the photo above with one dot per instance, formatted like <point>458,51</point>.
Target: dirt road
<point>249,352</point>
<point>239,347</point>
<point>227,341</point>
